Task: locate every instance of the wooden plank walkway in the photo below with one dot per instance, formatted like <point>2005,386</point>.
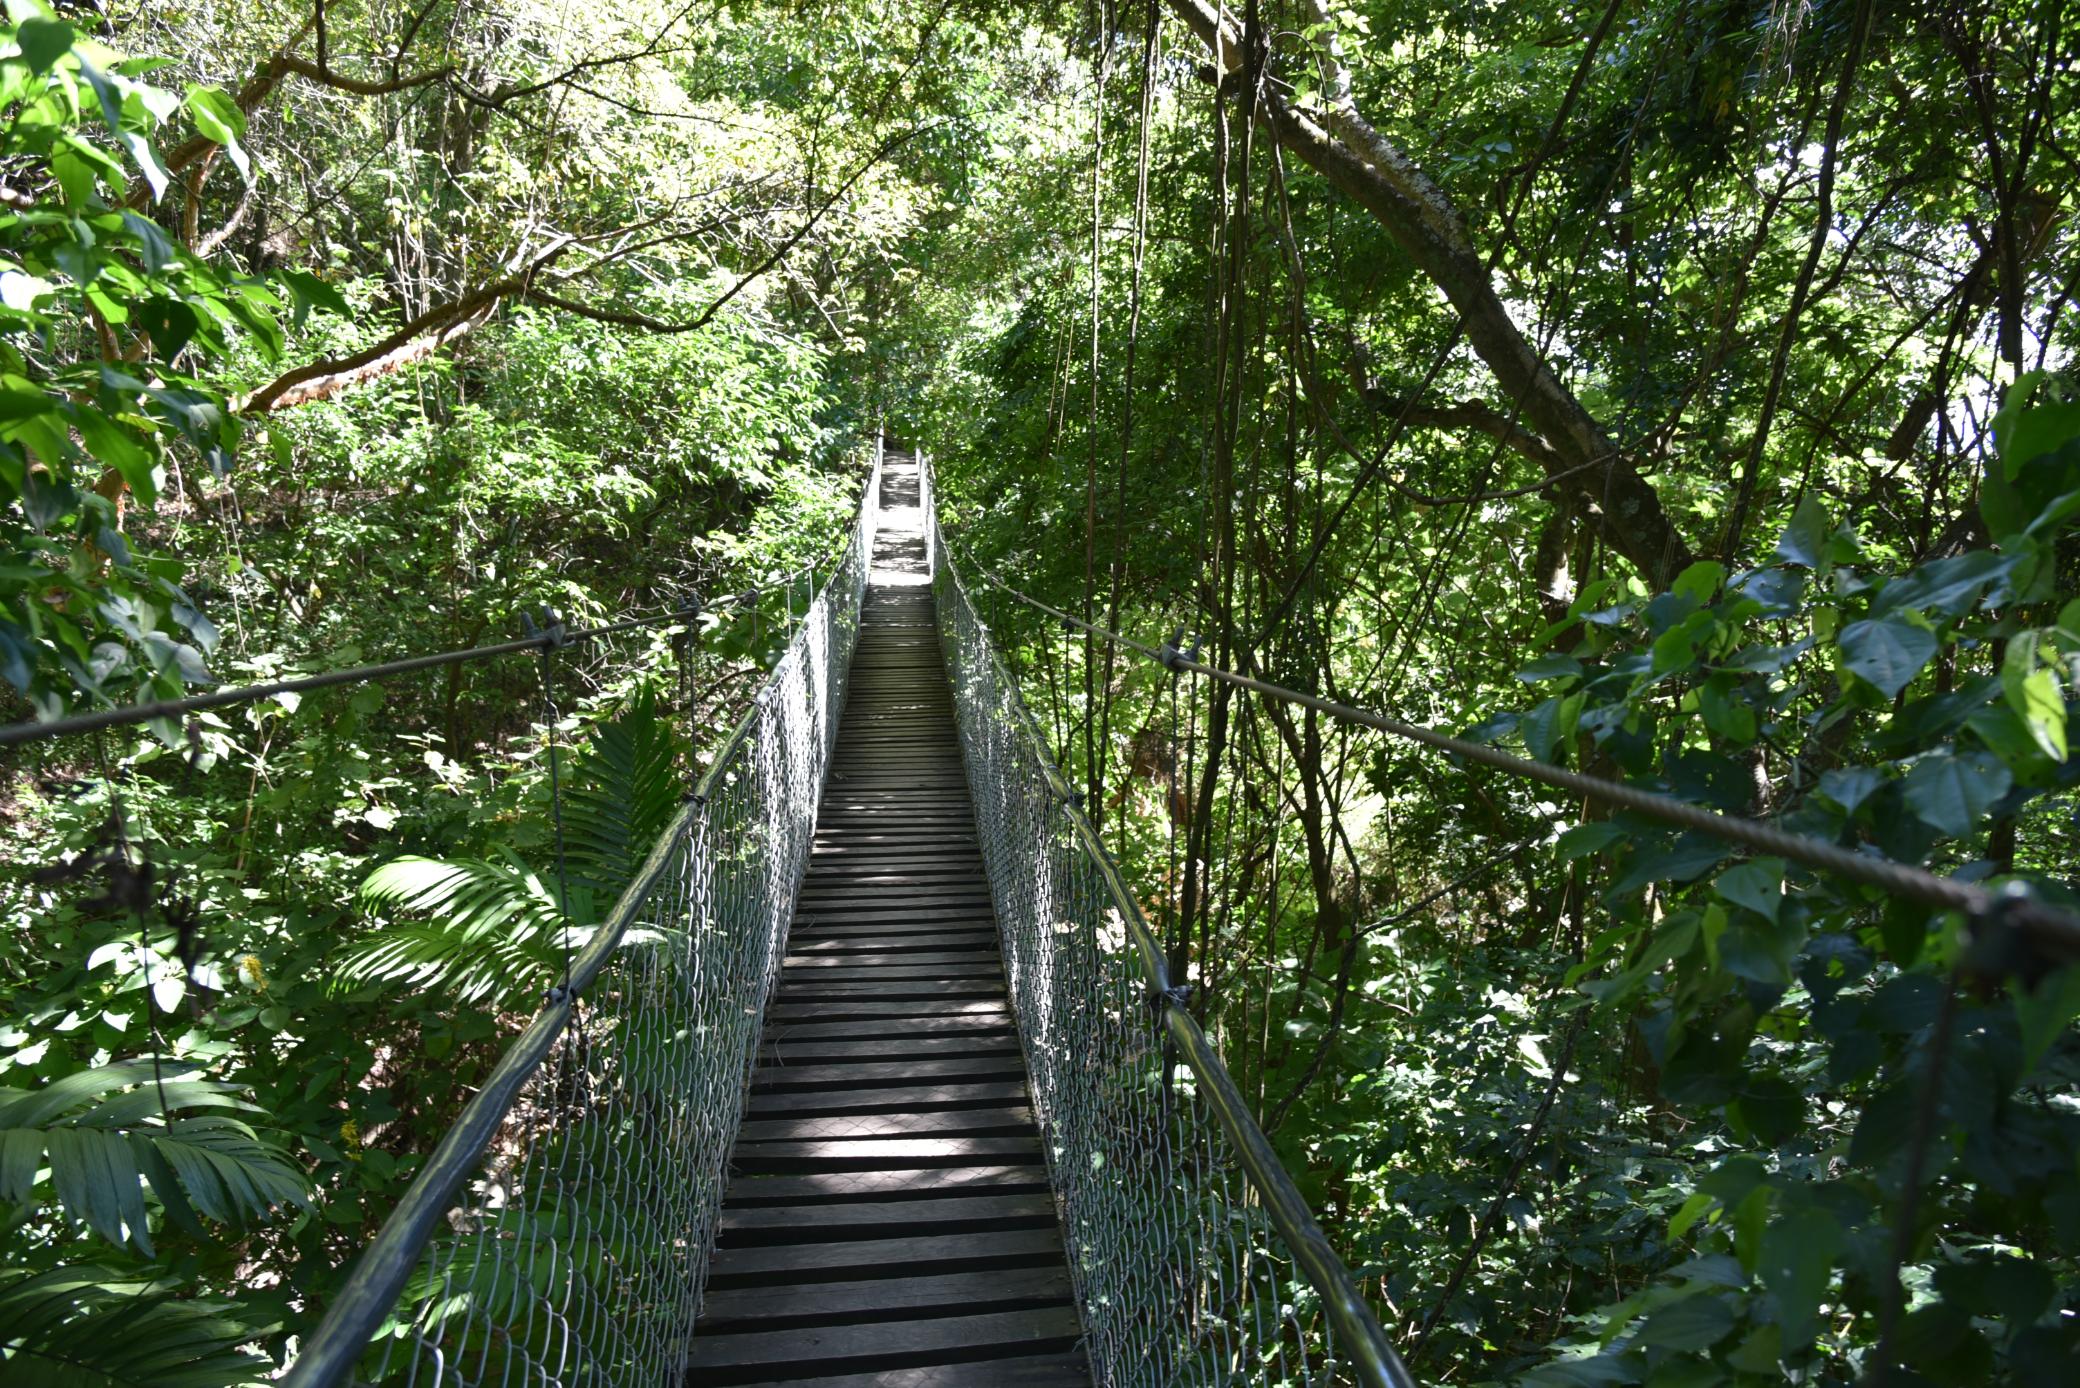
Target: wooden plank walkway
<point>888,1223</point>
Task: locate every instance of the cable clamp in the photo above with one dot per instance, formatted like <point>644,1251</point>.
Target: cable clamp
<point>553,635</point>
<point>1177,995</point>
<point>1172,654</point>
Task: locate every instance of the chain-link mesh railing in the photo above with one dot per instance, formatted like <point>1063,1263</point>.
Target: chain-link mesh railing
<point>1195,1259</point>
<point>590,1169</point>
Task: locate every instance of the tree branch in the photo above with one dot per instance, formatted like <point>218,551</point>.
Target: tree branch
<point>1418,215</point>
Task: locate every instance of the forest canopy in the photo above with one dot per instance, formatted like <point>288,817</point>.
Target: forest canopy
<point>1679,392</point>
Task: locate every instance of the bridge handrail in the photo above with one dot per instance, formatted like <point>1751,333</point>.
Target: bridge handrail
<point>1357,1330</point>
<point>373,1289</point>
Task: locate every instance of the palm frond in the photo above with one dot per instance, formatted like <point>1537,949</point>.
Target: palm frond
<point>89,1325</point>
<point>626,788</point>
<point>488,931</point>
<point>105,1134</point>
<point>491,930</point>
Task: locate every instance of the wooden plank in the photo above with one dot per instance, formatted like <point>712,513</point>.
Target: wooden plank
<point>795,1263</point>
<point>1034,1371</point>
<point>890,1183</point>
<point>867,1009</point>
<point>959,949</point>
<point>993,1335</point>
<point>919,985</point>
<point>770,1308</point>
<point>919,861</point>
<point>876,960</point>
<point>972,917</point>
<point>883,1154</point>
<point>818,897</point>
<point>887,1028</point>
<point>816,941</point>
<point>853,1127</point>
<point>986,1092</point>
<point>783,1051</point>
<point>809,1078</point>
<point>871,976</point>
<point>878,1219</point>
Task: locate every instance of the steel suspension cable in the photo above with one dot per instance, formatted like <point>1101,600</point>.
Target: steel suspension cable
<point>2012,905</point>
<point>555,635</point>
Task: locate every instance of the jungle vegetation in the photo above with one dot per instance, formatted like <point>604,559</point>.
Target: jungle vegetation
<point>1683,391</point>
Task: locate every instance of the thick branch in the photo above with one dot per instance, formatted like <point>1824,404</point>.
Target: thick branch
<point>1407,205</point>
<point>415,341</point>
<point>1477,415</point>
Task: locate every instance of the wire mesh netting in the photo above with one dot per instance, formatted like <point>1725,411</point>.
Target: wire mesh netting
<point>577,1252</point>
<point>1181,1275</point>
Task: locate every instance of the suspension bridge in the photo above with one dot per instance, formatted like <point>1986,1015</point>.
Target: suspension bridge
<point>875,1077</point>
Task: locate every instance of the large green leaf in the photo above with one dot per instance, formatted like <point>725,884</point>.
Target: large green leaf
<point>1952,792</point>
<point>1887,653</point>
<point>491,931</point>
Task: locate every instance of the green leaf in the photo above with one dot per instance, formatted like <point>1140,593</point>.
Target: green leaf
<point>1887,653</point>
<point>1725,714</point>
<point>1797,1262</point>
<point>2034,695</point>
<point>1952,792</point>
<point>1804,541</point>
<point>311,292</point>
<point>1850,786</point>
<point>1691,1210</point>
<point>2032,431</point>
<point>101,1130</point>
<point>1759,886</point>
<point>1945,587</point>
<point>1688,856</point>
<point>1585,839</point>
<point>217,117</point>
<point>2044,1011</point>
<point>135,144</point>
<point>1694,1323</point>
<point>108,1327</point>
<point>1771,1108</point>
<point>1700,581</point>
<point>1550,667</point>
<point>152,244</point>
<point>43,42</point>
<point>1542,729</point>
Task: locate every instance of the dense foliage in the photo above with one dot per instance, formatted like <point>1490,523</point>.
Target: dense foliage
<point>1684,393</point>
